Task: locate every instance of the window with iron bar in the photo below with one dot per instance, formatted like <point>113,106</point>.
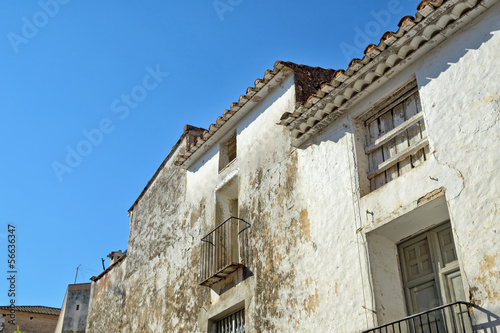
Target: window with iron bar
<point>234,323</point>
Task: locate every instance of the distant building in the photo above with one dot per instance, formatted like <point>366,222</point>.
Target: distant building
<point>30,319</point>
<point>75,308</point>
<point>331,200</point>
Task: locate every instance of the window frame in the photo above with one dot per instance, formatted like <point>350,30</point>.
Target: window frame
<point>441,276</point>
<point>233,316</point>
<point>395,137</point>
<point>228,151</point>
<point>442,269</point>
<point>384,258</point>
<point>223,313</point>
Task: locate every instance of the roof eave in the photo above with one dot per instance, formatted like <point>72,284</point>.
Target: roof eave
<point>349,87</point>
<point>186,134</point>
<point>109,269</point>
<point>223,126</point>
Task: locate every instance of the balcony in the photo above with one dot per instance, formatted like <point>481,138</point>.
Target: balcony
<point>454,317</point>
<point>223,250</point>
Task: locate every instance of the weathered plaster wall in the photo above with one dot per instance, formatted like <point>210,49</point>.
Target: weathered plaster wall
<point>322,257</point>
<point>459,86</point>
<point>161,275</point>
<point>107,310</point>
<point>266,168</point>
<point>76,309</point>
<point>154,289</point>
<point>283,289</point>
<point>464,124</point>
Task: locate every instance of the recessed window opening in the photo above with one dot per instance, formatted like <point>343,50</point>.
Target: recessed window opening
<point>227,151</point>
<point>396,137</point>
<point>77,307</point>
<point>227,209</point>
<point>415,266</point>
<point>227,201</point>
<point>224,248</point>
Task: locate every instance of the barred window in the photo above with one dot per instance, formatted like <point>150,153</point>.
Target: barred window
<point>234,323</point>
<point>396,137</point>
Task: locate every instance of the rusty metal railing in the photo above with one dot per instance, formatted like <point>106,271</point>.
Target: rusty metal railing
<point>223,250</point>
<point>454,317</point>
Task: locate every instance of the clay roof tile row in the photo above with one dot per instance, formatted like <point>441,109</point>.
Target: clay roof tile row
<point>344,86</point>
<point>35,309</point>
<point>315,84</point>
<point>308,80</point>
<point>112,266</point>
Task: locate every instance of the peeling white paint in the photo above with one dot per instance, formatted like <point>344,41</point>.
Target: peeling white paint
<point>322,256</point>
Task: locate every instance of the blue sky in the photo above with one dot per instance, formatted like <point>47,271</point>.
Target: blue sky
<point>94,94</point>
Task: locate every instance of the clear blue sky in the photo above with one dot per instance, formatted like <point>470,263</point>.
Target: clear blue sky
<point>136,71</point>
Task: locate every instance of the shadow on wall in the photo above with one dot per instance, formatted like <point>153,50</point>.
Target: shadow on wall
<point>224,286</point>
<point>490,323</point>
<point>469,43</point>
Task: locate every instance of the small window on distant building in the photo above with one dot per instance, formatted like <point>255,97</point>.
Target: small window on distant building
<point>227,151</point>
<point>77,307</point>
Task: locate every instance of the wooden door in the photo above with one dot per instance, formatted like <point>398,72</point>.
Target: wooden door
<point>431,277</point>
<point>420,283</point>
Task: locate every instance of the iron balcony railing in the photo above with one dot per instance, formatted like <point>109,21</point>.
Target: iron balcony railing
<point>224,250</point>
<point>454,317</point>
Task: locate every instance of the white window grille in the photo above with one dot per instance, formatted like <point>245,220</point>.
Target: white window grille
<point>396,138</point>
<point>234,323</point>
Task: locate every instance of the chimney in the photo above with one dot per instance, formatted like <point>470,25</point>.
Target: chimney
<point>114,256</point>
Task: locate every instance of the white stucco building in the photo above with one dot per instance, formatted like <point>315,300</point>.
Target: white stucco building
<point>331,201</point>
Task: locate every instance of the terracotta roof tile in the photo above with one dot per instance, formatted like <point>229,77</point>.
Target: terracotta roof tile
<point>308,82</point>
<point>107,270</point>
<point>313,84</point>
<point>414,32</point>
<point>35,309</point>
